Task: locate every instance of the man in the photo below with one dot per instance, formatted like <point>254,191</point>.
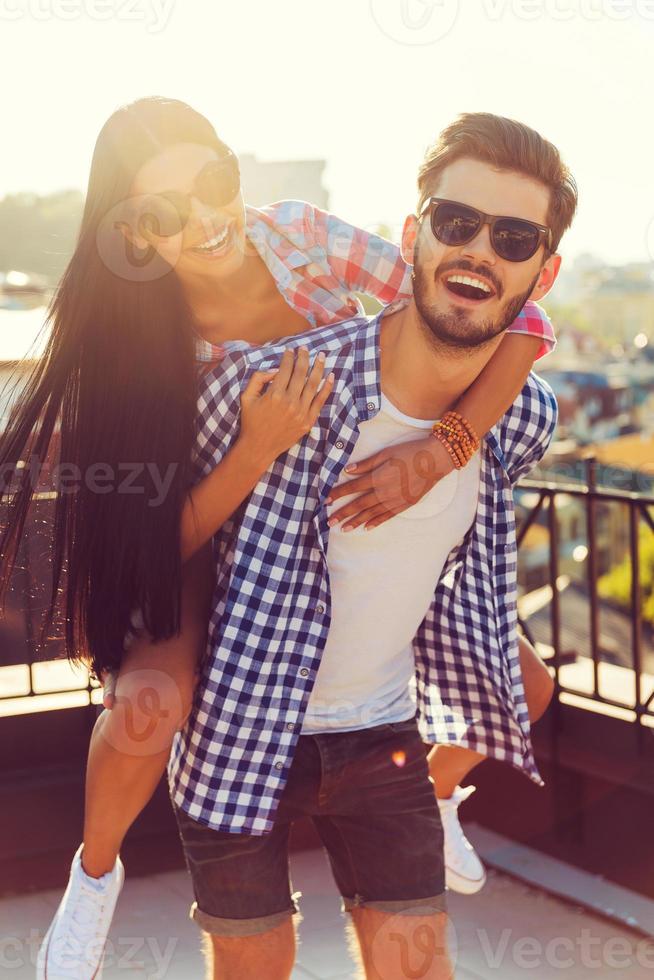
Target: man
<point>332,655</point>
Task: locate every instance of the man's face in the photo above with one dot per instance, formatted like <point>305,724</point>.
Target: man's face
<point>456,315</point>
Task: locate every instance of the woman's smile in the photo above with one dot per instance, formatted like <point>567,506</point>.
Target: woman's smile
<point>218,244</point>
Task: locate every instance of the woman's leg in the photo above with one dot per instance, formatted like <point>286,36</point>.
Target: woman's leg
<point>130,744</point>
<point>450,764</point>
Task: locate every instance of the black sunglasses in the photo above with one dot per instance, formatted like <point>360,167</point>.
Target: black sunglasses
<point>167,213</point>
<point>514,239</point>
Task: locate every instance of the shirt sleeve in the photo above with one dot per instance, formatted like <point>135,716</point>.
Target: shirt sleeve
<point>362,261</point>
<point>534,321</point>
<point>529,428</point>
<point>218,417</point>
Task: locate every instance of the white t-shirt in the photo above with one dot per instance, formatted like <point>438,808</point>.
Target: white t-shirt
<point>382,584</point>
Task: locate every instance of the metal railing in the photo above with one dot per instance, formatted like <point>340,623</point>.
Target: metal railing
<point>25,612</point>
<point>21,626</point>
<point>589,495</point>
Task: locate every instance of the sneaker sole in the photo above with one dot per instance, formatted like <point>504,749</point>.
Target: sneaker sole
<point>463,886</point>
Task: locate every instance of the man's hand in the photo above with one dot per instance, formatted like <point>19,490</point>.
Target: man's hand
<point>390,481</point>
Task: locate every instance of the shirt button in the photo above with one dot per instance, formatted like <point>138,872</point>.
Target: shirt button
<point>340,445</point>
<point>279,765</point>
<point>290,726</point>
<point>304,672</point>
<point>372,406</point>
<point>320,609</point>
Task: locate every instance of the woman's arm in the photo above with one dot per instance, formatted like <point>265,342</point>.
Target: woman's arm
<point>396,478</point>
<point>362,261</point>
<point>501,381</point>
<point>277,410</point>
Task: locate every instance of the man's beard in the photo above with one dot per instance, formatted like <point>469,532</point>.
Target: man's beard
<point>456,329</point>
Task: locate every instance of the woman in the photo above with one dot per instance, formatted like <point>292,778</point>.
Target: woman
<point>169,267</point>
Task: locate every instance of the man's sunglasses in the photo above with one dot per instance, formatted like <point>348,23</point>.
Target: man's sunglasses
<point>167,213</point>
<point>513,239</point>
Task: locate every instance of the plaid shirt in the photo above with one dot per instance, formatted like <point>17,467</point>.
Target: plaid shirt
<point>272,606</point>
<point>319,262</point>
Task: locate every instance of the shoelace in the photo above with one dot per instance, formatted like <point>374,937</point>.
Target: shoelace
<point>82,923</point>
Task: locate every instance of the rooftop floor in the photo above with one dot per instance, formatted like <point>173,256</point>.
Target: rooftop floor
<point>507,931</point>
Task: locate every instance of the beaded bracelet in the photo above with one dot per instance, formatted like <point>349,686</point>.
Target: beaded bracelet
<point>458,437</point>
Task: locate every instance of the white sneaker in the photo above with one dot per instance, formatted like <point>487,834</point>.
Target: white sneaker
<point>464,872</point>
<point>73,948</point>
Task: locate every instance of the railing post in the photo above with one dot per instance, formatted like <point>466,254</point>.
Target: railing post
<point>555,624</point>
<point>554,575</point>
<point>636,614</point>
<point>591,528</point>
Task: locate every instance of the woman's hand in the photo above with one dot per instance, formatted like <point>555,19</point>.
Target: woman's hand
<point>390,481</point>
<point>279,407</point>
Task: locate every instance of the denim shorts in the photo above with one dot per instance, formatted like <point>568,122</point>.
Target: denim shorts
<point>372,802</point>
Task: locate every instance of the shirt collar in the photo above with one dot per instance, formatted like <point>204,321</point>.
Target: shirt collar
<point>367,374</point>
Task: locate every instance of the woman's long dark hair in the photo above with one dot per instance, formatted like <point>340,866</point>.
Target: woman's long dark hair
<point>117,383</point>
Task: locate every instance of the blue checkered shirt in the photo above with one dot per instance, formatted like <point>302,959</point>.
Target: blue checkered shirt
<point>271,608</point>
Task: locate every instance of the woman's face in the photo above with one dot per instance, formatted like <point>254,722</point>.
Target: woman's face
<point>212,243</point>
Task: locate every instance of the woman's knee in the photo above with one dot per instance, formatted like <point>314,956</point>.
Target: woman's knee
<point>150,706</point>
<point>537,680</point>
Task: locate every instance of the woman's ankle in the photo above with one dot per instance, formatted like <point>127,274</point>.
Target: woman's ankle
<point>97,864</point>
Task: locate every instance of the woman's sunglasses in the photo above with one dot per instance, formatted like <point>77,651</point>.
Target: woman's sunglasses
<point>167,213</point>
<point>513,239</point>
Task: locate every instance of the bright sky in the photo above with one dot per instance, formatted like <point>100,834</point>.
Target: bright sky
<point>364,84</point>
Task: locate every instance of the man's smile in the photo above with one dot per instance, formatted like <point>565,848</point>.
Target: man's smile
<point>468,287</point>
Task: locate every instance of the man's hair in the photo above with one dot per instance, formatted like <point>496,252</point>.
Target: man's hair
<point>506,145</point>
